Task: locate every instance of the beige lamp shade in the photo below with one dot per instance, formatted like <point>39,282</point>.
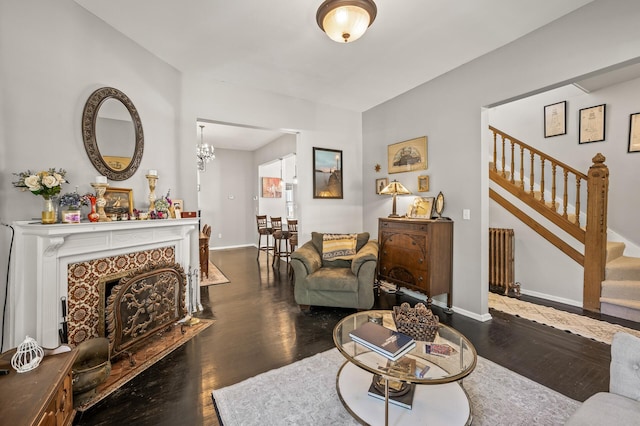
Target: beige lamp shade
<point>346,20</point>
<point>395,188</point>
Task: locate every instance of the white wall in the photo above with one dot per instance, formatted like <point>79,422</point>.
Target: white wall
<point>53,55</point>
<point>448,111</point>
<point>272,207</point>
<point>316,125</point>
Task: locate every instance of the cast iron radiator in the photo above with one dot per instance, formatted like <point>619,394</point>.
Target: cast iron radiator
<point>501,259</point>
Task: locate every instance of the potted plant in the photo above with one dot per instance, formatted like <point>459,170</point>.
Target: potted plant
<point>162,206</point>
<point>70,204</point>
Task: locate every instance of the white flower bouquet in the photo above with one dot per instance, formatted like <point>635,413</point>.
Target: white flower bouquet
<point>46,183</point>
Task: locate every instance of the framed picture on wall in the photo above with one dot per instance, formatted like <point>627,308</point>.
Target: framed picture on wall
<point>271,187</point>
<point>327,173</point>
<point>381,184</point>
<point>634,132</point>
<point>592,124</point>
<point>407,156</point>
<point>423,183</point>
<point>555,119</point>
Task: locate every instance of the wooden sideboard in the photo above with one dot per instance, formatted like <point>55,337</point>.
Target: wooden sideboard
<point>417,254</point>
<point>43,396</point>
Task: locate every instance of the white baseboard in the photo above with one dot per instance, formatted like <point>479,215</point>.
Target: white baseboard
<point>577,303</point>
<point>232,247</point>
<point>443,305</point>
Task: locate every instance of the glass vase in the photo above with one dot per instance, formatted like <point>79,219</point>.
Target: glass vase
<point>48,211</point>
<point>93,215</point>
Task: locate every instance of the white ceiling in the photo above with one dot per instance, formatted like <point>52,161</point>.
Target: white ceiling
<point>276,45</point>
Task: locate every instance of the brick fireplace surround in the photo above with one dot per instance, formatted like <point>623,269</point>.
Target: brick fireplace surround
<point>74,261</point>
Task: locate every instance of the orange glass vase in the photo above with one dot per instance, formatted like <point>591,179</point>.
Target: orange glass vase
<point>93,215</point>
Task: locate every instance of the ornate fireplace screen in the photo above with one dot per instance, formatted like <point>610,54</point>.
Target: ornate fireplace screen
<point>144,302</point>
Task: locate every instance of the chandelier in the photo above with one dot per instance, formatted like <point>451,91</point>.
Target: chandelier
<point>204,152</point>
<point>346,20</point>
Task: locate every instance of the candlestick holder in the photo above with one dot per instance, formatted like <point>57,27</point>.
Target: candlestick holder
<point>100,201</point>
<point>152,191</point>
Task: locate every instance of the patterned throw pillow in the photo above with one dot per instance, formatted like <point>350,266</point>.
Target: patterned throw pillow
<point>339,246</point>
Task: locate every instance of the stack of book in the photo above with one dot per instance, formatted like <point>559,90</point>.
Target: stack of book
<point>389,343</point>
<point>400,393</point>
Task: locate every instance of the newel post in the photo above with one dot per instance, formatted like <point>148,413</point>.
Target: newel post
<point>595,245</point>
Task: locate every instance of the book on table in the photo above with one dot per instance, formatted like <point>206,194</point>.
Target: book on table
<point>389,343</point>
<point>402,397</point>
<point>400,393</point>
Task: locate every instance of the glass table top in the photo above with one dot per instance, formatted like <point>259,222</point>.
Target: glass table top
<point>450,357</point>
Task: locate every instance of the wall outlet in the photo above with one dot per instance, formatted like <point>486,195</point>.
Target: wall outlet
<point>219,235</point>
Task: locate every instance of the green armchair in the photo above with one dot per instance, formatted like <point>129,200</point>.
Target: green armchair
<point>345,283</point>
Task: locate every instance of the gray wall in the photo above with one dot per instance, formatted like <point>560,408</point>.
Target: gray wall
<point>448,111</point>
<point>227,188</point>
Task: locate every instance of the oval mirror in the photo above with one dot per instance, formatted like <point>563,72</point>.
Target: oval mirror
<point>112,133</point>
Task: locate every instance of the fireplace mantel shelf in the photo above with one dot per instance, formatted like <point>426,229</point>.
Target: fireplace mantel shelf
<point>44,252</point>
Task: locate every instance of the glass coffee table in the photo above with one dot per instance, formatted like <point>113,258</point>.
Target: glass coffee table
<point>439,398</point>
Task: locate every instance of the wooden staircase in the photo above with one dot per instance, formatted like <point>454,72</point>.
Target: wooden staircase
<point>557,191</point>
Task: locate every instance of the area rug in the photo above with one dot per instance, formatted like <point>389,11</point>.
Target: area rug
<point>591,328</point>
<point>304,393</point>
<point>154,350</point>
<point>215,277</point>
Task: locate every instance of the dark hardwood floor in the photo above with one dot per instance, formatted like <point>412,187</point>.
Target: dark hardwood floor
<point>258,327</point>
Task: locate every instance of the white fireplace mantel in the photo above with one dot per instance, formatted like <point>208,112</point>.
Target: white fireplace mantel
<point>42,254</point>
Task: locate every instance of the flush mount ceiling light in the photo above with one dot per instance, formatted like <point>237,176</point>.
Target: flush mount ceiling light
<point>346,20</point>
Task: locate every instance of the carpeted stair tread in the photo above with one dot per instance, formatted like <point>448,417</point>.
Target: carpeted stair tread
<point>623,268</point>
<point>614,250</point>
<point>621,289</point>
<point>620,308</point>
<point>634,304</point>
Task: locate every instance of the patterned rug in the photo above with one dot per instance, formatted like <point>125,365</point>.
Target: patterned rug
<point>304,393</point>
<point>600,331</point>
<point>215,277</point>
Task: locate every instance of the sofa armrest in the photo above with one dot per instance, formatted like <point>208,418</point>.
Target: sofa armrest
<point>308,256</point>
<point>368,253</point>
<point>625,366</point>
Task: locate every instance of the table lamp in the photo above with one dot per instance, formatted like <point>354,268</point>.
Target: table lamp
<point>395,188</point>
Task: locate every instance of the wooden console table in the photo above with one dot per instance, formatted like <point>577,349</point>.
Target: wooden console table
<point>417,254</point>
<point>43,396</point>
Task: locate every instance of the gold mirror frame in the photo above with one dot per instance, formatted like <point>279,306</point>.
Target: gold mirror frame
<point>89,118</point>
<point>439,207</point>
